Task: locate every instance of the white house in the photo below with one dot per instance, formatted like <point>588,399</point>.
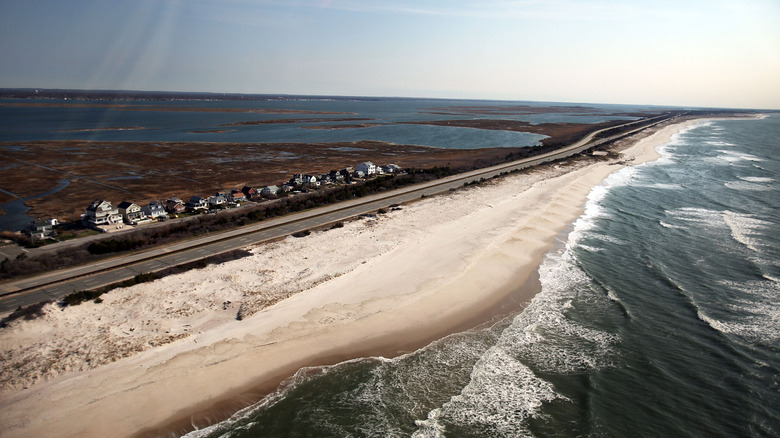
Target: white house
<point>393,168</point>
<point>237,196</point>
<point>101,213</point>
<point>368,168</point>
<point>198,203</point>
<point>310,181</point>
<point>217,200</point>
<point>154,210</point>
<point>42,229</point>
<point>269,191</point>
<point>131,212</point>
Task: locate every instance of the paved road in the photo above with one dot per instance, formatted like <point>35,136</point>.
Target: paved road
<point>55,285</point>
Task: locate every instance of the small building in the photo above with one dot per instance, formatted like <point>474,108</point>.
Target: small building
<point>154,210</point>
<point>175,206</point>
<point>219,200</point>
<point>367,167</point>
<point>346,173</point>
<point>336,176</point>
<point>249,192</point>
<point>237,195</point>
<point>310,181</point>
<point>269,191</point>
<point>197,203</point>
<point>101,212</point>
<point>359,174</point>
<point>392,168</point>
<point>39,230</point>
<point>131,212</point>
<point>297,180</point>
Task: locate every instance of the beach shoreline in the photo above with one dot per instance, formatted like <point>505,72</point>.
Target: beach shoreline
<point>394,300</point>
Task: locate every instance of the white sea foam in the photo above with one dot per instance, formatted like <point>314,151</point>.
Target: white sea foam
<point>745,229</point>
<point>502,394</point>
<point>667,225</point>
<point>757,179</point>
<point>504,389</point>
<point>698,216</point>
<point>735,157</point>
<point>664,186</point>
<point>593,208</point>
<point>754,312</point>
<point>771,278</point>
<point>590,248</point>
<point>239,421</point>
<point>718,143</point>
<point>749,186</point>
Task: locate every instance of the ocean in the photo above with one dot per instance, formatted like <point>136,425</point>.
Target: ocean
<point>658,317</point>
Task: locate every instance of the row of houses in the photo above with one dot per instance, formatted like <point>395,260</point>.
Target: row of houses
<point>102,213</point>
<point>305,181</point>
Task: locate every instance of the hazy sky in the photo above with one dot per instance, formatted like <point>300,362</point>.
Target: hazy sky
<point>678,52</point>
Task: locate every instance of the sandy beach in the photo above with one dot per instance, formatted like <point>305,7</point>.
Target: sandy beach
<point>151,356</point>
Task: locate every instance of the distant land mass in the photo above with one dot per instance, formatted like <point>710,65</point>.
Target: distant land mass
<point>43,93</point>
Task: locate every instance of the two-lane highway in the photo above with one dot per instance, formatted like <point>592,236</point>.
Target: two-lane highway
<point>55,285</point>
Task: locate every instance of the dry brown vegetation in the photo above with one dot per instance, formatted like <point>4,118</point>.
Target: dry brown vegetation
<point>145,171</point>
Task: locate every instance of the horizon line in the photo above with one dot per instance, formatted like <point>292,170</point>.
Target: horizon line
<point>4,90</point>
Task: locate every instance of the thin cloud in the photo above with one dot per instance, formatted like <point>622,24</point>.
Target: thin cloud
<point>496,9</point>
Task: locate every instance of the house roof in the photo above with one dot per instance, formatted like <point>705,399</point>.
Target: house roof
<point>96,204</point>
<point>125,204</point>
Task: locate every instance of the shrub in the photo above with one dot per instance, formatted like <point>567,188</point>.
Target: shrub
<point>28,313</point>
<point>114,245</point>
<point>80,296</point>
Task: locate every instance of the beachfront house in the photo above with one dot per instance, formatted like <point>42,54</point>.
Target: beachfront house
<point>297,180</point>
<point>131,212</point>
<point>249,192</point>
<point>218,201</point>
<point>154,210</point>
<point>41,229</point>
<point>269,191</point>
<point>367,167</point>
<point>175,206</point>
<point>101,212</point>
<point>237,196</point>
<point>310,181</point>
<point>197,203</point>
<point>392,168</point>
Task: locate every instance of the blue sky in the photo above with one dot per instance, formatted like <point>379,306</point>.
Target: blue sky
<point>693,53</point>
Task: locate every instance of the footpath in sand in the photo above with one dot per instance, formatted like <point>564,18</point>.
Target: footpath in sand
<point>160,352</point>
